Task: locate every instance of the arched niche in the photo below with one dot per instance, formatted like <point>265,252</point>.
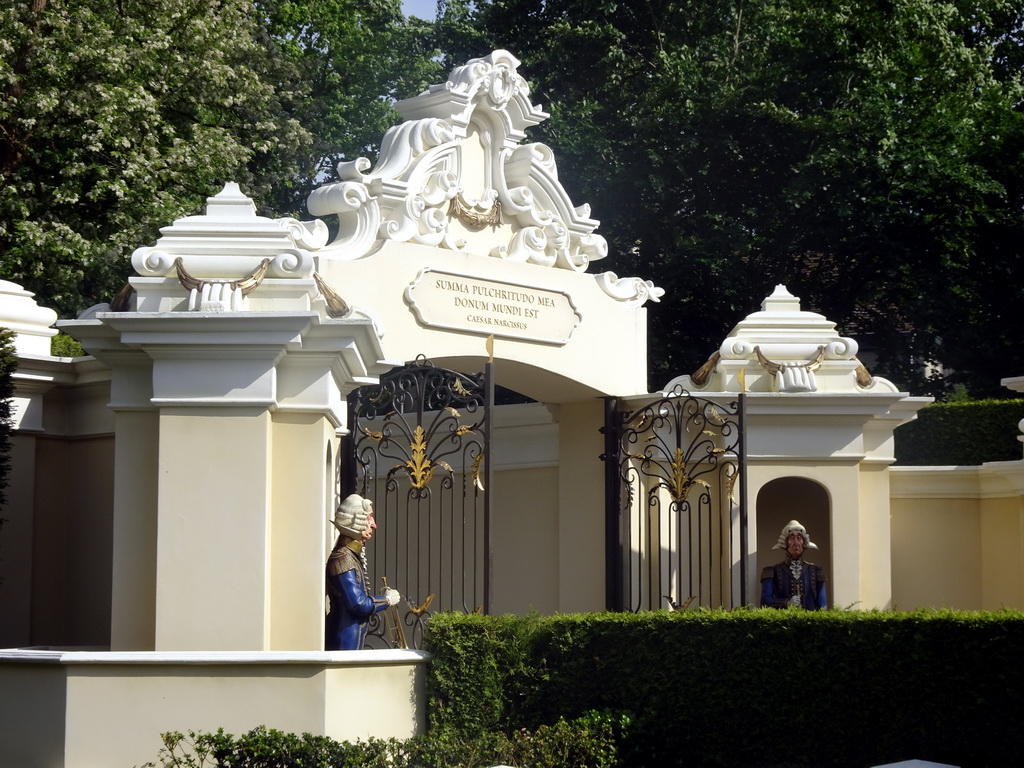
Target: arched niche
<point>789,498</point>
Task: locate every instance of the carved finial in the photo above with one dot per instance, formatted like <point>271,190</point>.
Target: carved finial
<point>123,300</point>
<point>700,376</point>
<point>781,300</point>
<point>230,202</point>
<point>336,306</point>
<point>863,375</point>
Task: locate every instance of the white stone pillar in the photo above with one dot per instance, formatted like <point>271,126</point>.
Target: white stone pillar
<point>581,507</point>
<point>229,382</point>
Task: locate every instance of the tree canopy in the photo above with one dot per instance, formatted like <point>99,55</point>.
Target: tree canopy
<point>866,153</point>
<point>117,118</point>
<point>869,154</point>
<point>345,54</point>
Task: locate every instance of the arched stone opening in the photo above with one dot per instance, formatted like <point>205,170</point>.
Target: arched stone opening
<point>788,498</point>
<point>520,381</point>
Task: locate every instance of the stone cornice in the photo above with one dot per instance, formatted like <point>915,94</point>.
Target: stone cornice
<point>294,361</point>
<point>992,480</point>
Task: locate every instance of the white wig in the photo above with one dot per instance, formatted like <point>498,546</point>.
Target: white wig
<point>351,516</point>
<point>794,527</point>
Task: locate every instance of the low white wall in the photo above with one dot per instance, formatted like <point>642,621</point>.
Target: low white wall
<point>958,536</point>
<point>77,709</point>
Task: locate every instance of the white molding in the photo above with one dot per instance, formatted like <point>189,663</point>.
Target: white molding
<point>992,480</point>
<point>1016,383</point>
<point>192,658</point>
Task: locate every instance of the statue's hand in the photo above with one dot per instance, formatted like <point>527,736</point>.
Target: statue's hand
<point>392,596</point>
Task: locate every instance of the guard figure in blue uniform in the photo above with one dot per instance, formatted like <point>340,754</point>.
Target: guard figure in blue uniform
<point>794,583</point>
<point>348,589</point>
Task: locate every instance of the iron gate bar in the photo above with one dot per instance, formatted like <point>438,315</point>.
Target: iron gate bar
<point>664,464</point>
<point>742,479</point>
<point>613,505</point>
<point>403,433</point>
<point>489,479</point>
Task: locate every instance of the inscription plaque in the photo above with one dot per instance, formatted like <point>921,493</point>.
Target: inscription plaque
<point>461,302</point>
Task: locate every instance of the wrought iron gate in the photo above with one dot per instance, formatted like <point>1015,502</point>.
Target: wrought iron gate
<point>419,448</point>
<point>676,532</point>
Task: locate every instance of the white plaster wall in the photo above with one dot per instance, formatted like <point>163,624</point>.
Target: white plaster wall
<point>84,710</point>
<point>89,527</point>
<point>365,700</point>
<point>32,707</point>
<point>299,531</point>
<point>137,472</point>
<point>1002,553</point>
<point>958,536</point>
<point>956,532</point>
<point>875,537</point>
<point>581,538</point>
<point>16,544</point>
<point>1002,527</point>
<point>526,522</point>
<point>212,590</point>
<point>525,530</point>
<point>299,527</point>
<point>58,506</point>
<point>936,538</point>
<point>547,372</point>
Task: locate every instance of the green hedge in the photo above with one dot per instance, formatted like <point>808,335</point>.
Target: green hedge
<point>965,434</point>
<point>745,688</point>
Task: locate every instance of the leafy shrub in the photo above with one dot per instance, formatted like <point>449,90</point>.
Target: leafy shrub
<point>587,742</point>
<point>267,748</point>
<point>961,433</point>
<point>63,345</point>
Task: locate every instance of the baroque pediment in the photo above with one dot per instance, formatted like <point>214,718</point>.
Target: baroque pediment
<point>456,175</point>
<point>787,350</point>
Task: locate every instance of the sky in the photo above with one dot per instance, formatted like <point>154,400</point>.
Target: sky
<point>424,9</point>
